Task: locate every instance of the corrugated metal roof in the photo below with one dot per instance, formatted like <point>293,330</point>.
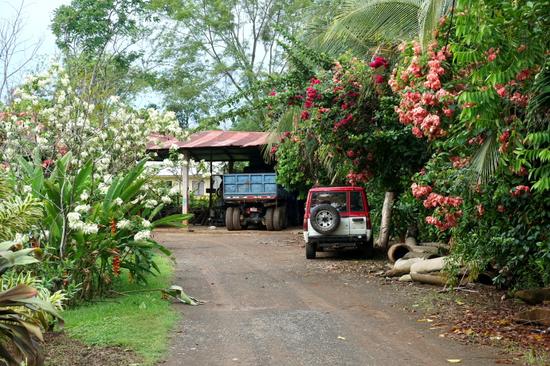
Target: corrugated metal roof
<point>211,139</point>
<point>226,139</point>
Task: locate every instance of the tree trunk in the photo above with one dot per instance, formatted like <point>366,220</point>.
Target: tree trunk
<point>384,236</point>
<point>429,265</point>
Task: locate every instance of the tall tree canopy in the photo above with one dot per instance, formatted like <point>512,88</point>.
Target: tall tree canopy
<point>218,48</point>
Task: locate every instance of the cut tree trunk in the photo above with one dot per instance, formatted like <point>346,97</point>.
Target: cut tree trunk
<point>534,296</point>
<point>423,255</point>
<point>402,266</point>
<point>430,279</point>
<point>384,237</point>
<point>536,315</point>
<point>399,250</point>
<point>428,265</point>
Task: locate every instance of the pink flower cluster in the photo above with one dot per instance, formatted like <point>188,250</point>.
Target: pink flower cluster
<point>419,191</point>
<point>341,123</point>
<point>450,220</point>
<point>354,178</point>
<point>378,62</point>
<point>519,190</point>
<point>435,200</point>
<point>504,141</point>
<point>459,162</point>
<point>424,109</point>
<point>285,136</point>
<point>492,54</point>
<point>478,140</point>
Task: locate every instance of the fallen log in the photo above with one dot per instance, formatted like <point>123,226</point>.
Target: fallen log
<point>405,278</point>
<point>430,279</point>
<point>411,241</point>
<point>536,315</point>
<point>534,296</point>
<point>402,266</point>
<point>423,255</point>
<point>436,245</point>
<point>399,250</point>
<point>428,265</point>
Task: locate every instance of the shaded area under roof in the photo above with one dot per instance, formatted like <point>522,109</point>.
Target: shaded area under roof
<point>216,145</point>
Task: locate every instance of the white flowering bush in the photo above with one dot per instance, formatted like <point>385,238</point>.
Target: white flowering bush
<point>85,161</point>
<point>48,119</point>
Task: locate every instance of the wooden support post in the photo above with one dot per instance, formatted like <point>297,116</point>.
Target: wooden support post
<point>185,185</point>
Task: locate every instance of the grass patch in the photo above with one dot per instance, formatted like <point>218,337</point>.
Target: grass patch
<point>139,321</point>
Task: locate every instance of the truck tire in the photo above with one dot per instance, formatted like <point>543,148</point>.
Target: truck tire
<point>285,217</point>
<point>311,250</point>
<point>236,219</point>
<point>229,218</point>
<point>278,218</point>
<point>325,219</point>
<point>269,219</point>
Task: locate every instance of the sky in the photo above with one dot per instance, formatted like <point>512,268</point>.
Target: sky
<point>37,15</point>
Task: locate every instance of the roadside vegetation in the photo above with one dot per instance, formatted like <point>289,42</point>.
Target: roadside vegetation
<point>134,316</point>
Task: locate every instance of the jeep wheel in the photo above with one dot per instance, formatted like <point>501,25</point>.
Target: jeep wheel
<point>366,249</point>
<point>325,219</point>
<point>269,219</point>
<point>229,218</point>
<point>236,219</point>
<point>311,250</point>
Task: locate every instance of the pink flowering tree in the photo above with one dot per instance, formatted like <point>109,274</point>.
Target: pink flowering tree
<point>469,95</point>
<point>346,132</point>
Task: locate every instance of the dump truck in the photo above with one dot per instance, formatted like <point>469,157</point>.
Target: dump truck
<point>255,199</point>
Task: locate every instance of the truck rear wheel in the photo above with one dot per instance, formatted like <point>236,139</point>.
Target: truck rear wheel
<point>311,250</point>
<point>269,219</point>
<point>236,219</point>
<point>278,218</point>
<point>229,218</point>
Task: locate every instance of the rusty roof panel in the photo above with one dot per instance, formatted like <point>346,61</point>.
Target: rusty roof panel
<point>208,139</point>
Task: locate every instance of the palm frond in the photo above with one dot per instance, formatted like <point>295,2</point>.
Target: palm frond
<point>538,110</point>
<point>364,23</point>
<point>428,18</point>
<point>485,161</point>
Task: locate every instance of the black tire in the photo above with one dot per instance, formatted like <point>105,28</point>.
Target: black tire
<point>285,217</point>
<point>311,250</point>
<point>236,219</point>
<point>278,218</point>
<point>269,219</point>
<point>366,249</point>
<point>325,219</point>
<point>229,218</point>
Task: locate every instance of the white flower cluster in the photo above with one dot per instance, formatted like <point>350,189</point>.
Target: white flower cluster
<point>124,224</point>
<point>75,223</point>
<point>142,235</point>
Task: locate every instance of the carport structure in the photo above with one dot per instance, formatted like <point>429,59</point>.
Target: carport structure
<point>214,146</point>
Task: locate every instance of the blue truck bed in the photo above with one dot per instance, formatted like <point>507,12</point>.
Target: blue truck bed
<point>251,186</point>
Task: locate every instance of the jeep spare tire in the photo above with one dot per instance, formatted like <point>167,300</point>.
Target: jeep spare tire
<point>325,219</point>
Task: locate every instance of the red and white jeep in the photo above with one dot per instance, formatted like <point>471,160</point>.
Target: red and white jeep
<point>337,217</point>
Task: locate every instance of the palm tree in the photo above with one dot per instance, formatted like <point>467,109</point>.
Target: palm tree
<point>366,24</point>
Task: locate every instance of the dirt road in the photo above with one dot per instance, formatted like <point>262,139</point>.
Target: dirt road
<point>267,305</point>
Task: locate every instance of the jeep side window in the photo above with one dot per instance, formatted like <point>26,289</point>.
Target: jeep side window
<point>356,202</point>
<point>335,199</point>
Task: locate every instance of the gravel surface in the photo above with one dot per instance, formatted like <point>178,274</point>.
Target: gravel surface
<point>267,305</point>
